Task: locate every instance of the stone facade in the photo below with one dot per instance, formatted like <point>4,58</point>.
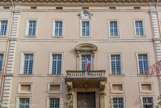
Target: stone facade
<point>100,81</point>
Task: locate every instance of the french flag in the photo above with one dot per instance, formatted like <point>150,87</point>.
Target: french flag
<point>88,62</point>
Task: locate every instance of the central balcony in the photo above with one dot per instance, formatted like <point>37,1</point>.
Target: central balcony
<point>85,79</point>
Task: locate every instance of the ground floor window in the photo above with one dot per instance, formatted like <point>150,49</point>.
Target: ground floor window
<point>118,103</point>
<point>147,102</point>
<point>24,102</point>
<point>54,103</point>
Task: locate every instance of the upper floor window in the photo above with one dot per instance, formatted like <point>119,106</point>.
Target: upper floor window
<point>24,102</point>
<point>143,63</point>
<point>28,63</point>
<point>147,102</point>
<point>58,28</point>
<point>56,63</point>
<point>85,28</point>
<point>86,62</point>
<point>113,28</point>
<point>139,28</point>
<point>3,29</point>
<point>118,102</point>
<point>31,27</point>
<point>115,64</point>
<point>1,62</point>
<point>54,103</point>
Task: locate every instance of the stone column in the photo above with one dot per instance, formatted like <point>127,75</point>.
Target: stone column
<point>102,100</point>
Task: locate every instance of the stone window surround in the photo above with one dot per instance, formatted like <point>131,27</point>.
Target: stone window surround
<point>24,83</point>
<point>140,88</point>
<point>144,28</point>
<point>152,96</point>
<point>120,92</point>
<point>54,83</point>
<point>119,96</point>
<point>8,25</point>
<point>18,100</point>
<point>61,102</point>
<point>118,29</point>
<point>53,28</point>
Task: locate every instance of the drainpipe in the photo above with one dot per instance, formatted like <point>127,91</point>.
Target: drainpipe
<point>7,50</point>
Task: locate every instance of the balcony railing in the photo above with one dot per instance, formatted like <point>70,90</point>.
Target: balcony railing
<point>86,74</point>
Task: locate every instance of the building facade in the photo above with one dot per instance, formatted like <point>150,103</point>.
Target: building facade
<point>79,53</point>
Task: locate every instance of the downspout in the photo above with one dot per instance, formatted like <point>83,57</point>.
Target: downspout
<point>7,50</point>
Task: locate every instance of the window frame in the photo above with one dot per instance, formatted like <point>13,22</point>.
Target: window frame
<point>118,28</point>
<point>18,100</point>
<point>137,55</point>
<point>50,64</point>
<point>119,96</point>
<point>8,26</point>
<point>84,20</point>
<point>120,92</point>
<point>53,28</point>
<point>24,83</point>
<point>148,96</point>
<point>3,62</point>
<point>27,27</point>
<point>121,62</point>
<point>54,83</point>
<point>142,91</point>
<point>61,100</point>
<point>92,60</point>
<point>22,63</point>
<point>144,29</point>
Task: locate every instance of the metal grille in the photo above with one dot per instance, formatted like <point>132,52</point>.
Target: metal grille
<point>1,63</point>
<point>139,28</point>
<point>56,63</point>
<point>85,28</point>
<point>3,28</point>
<point>32,28</point>
<point>28,63</point>
<point>118,103</point>
<point>58,28</point>
<point>24,102</point>
<point>143,63</point>
<point>115,64</point>
<point>113,28</point>
<point>84,62</point>
<point>148,102</point>
<point>54,103</point>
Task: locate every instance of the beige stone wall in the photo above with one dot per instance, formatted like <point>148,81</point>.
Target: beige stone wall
<point>127,44</point>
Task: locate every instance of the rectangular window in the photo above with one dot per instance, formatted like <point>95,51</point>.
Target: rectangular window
<point>32,28</point>
<point>1,63</point>
<point>54,103</point>
<point>3,30</point>
<point>113,28</point>
<point>118,103</point>
<point>139,28</point>
<point>86,59</point>
<point>58,28</point>
<point>143,63</point>
<point>56,63</point>
<point>85,28</point>
<point>28,63</point>
<point>24,102</point>
<point>147,102</point>
<point>115,64</point>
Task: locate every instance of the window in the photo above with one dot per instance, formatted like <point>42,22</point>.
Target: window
<point>3,30</point>
<point>58,28</point>
<point>113,28</point>
<point>32,28</point>
<point>139,28</point>
<point>86,62</point>
<point>85,28</point>
<point>1,63</point>
<point>115,64</point>
<point>56,63</point>
<point>54,103</point>
<point>24,103</point>
<point>28,63</point>
<point>147,102</point>
<point>143,63</point>
<point>118,103</point>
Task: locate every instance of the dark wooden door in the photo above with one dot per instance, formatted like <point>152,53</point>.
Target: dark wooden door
<point>85,100</point>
